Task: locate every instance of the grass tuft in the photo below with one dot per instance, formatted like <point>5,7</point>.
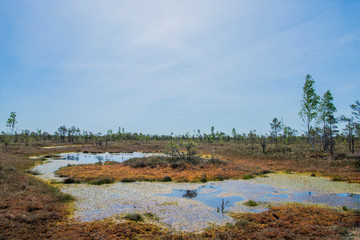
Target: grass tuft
<point>128,180</point>
<point>136,217</point>
<point>102,181</point>
<point>338,179</point>
<point>248,176</point>
<point>251,203</point>
<point>33,172</point>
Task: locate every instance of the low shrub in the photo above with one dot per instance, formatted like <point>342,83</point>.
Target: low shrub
<point>33,172</point>
<point>136,217</point>
<point>64,197</point>
<point>102,181</point>
<point>166,179</point>
<point>70,180</point>
<point>203,179</point>
<point>248,176</point>
<point>128,180</point>
<point>357,164</point>
<point>339,156</point>
<point>251,203</point>
<point>338,179</point>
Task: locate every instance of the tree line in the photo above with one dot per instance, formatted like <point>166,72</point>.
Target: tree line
<point>317,113</point>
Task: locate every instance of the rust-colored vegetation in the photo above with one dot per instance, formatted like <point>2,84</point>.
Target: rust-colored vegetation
<point>292,221</point>
<point>236,161</point>
<point>31,209</point>
<point>27,206</point>
<point>176,171</point>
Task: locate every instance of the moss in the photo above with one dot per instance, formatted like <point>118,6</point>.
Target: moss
<point>136,217</point>
<point>127,180</point>
<point>251,203</point>
<point>102,181</point>
<point>247,177</point>
<point>338,179</point>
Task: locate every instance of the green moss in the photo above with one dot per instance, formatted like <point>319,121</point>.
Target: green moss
<point>127,180</point>
<point>248,176</point>
<point>251,203</point>
<point>102,181</point>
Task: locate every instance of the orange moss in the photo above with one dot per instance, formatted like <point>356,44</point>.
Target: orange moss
<point>288,222</point>
<point>120,171</point>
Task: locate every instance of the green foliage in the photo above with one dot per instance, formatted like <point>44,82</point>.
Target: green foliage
<point>248,176</point>
<point>11,123</point>
<point>175,163</point>
<point>356,109</point>
<point>102,181</point>
<point>64,197</point>
<point>190,149</point>
<point>173,148</point>
<point>251,203</point>
<point>309,105</point>
<point>70,180</point>
<point>128,180</point>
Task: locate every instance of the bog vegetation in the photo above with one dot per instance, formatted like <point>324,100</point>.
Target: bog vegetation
<point>31,209</point>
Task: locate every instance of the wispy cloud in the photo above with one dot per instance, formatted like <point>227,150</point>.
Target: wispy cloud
<point>164,60</point>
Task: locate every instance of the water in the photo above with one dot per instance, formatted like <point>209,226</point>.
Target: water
<point>47,170</point>
<point>207,194</point>
<point>231,194</point>
<point>89,158</point>
<point>192,206</point>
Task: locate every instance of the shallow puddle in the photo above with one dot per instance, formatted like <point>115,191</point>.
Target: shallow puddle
<point>193,206</point>
<point>47,170</point>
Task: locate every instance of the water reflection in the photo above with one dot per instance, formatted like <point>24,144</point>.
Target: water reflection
<point>224,195</point>
<point>88,158</point>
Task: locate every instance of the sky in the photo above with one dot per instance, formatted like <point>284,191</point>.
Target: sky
<point>165,66</point>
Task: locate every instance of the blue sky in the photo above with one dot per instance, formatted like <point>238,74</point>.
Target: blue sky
<point>173,66</point>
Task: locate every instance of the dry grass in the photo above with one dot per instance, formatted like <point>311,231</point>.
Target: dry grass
<point>288,222</point>
<point>285,222</point>
<point>240,158</point>
<point>119,172</point>
<point>30,209</point>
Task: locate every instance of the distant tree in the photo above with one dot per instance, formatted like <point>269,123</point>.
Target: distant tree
<point>309,106</point>
<point>62,131</point>
<point>212,133</point>
<point>356,109</point>
<point>11,122</point>
<point>349,131</point>
<point>173,148</point>
<point>252,137</point>
<point>326,117</point>
<point>190,149</point>
<point>276,127</point>
<point>289,133</point>
<point>235,134</point>
<point>263,143</point>
<point>356,112</point>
